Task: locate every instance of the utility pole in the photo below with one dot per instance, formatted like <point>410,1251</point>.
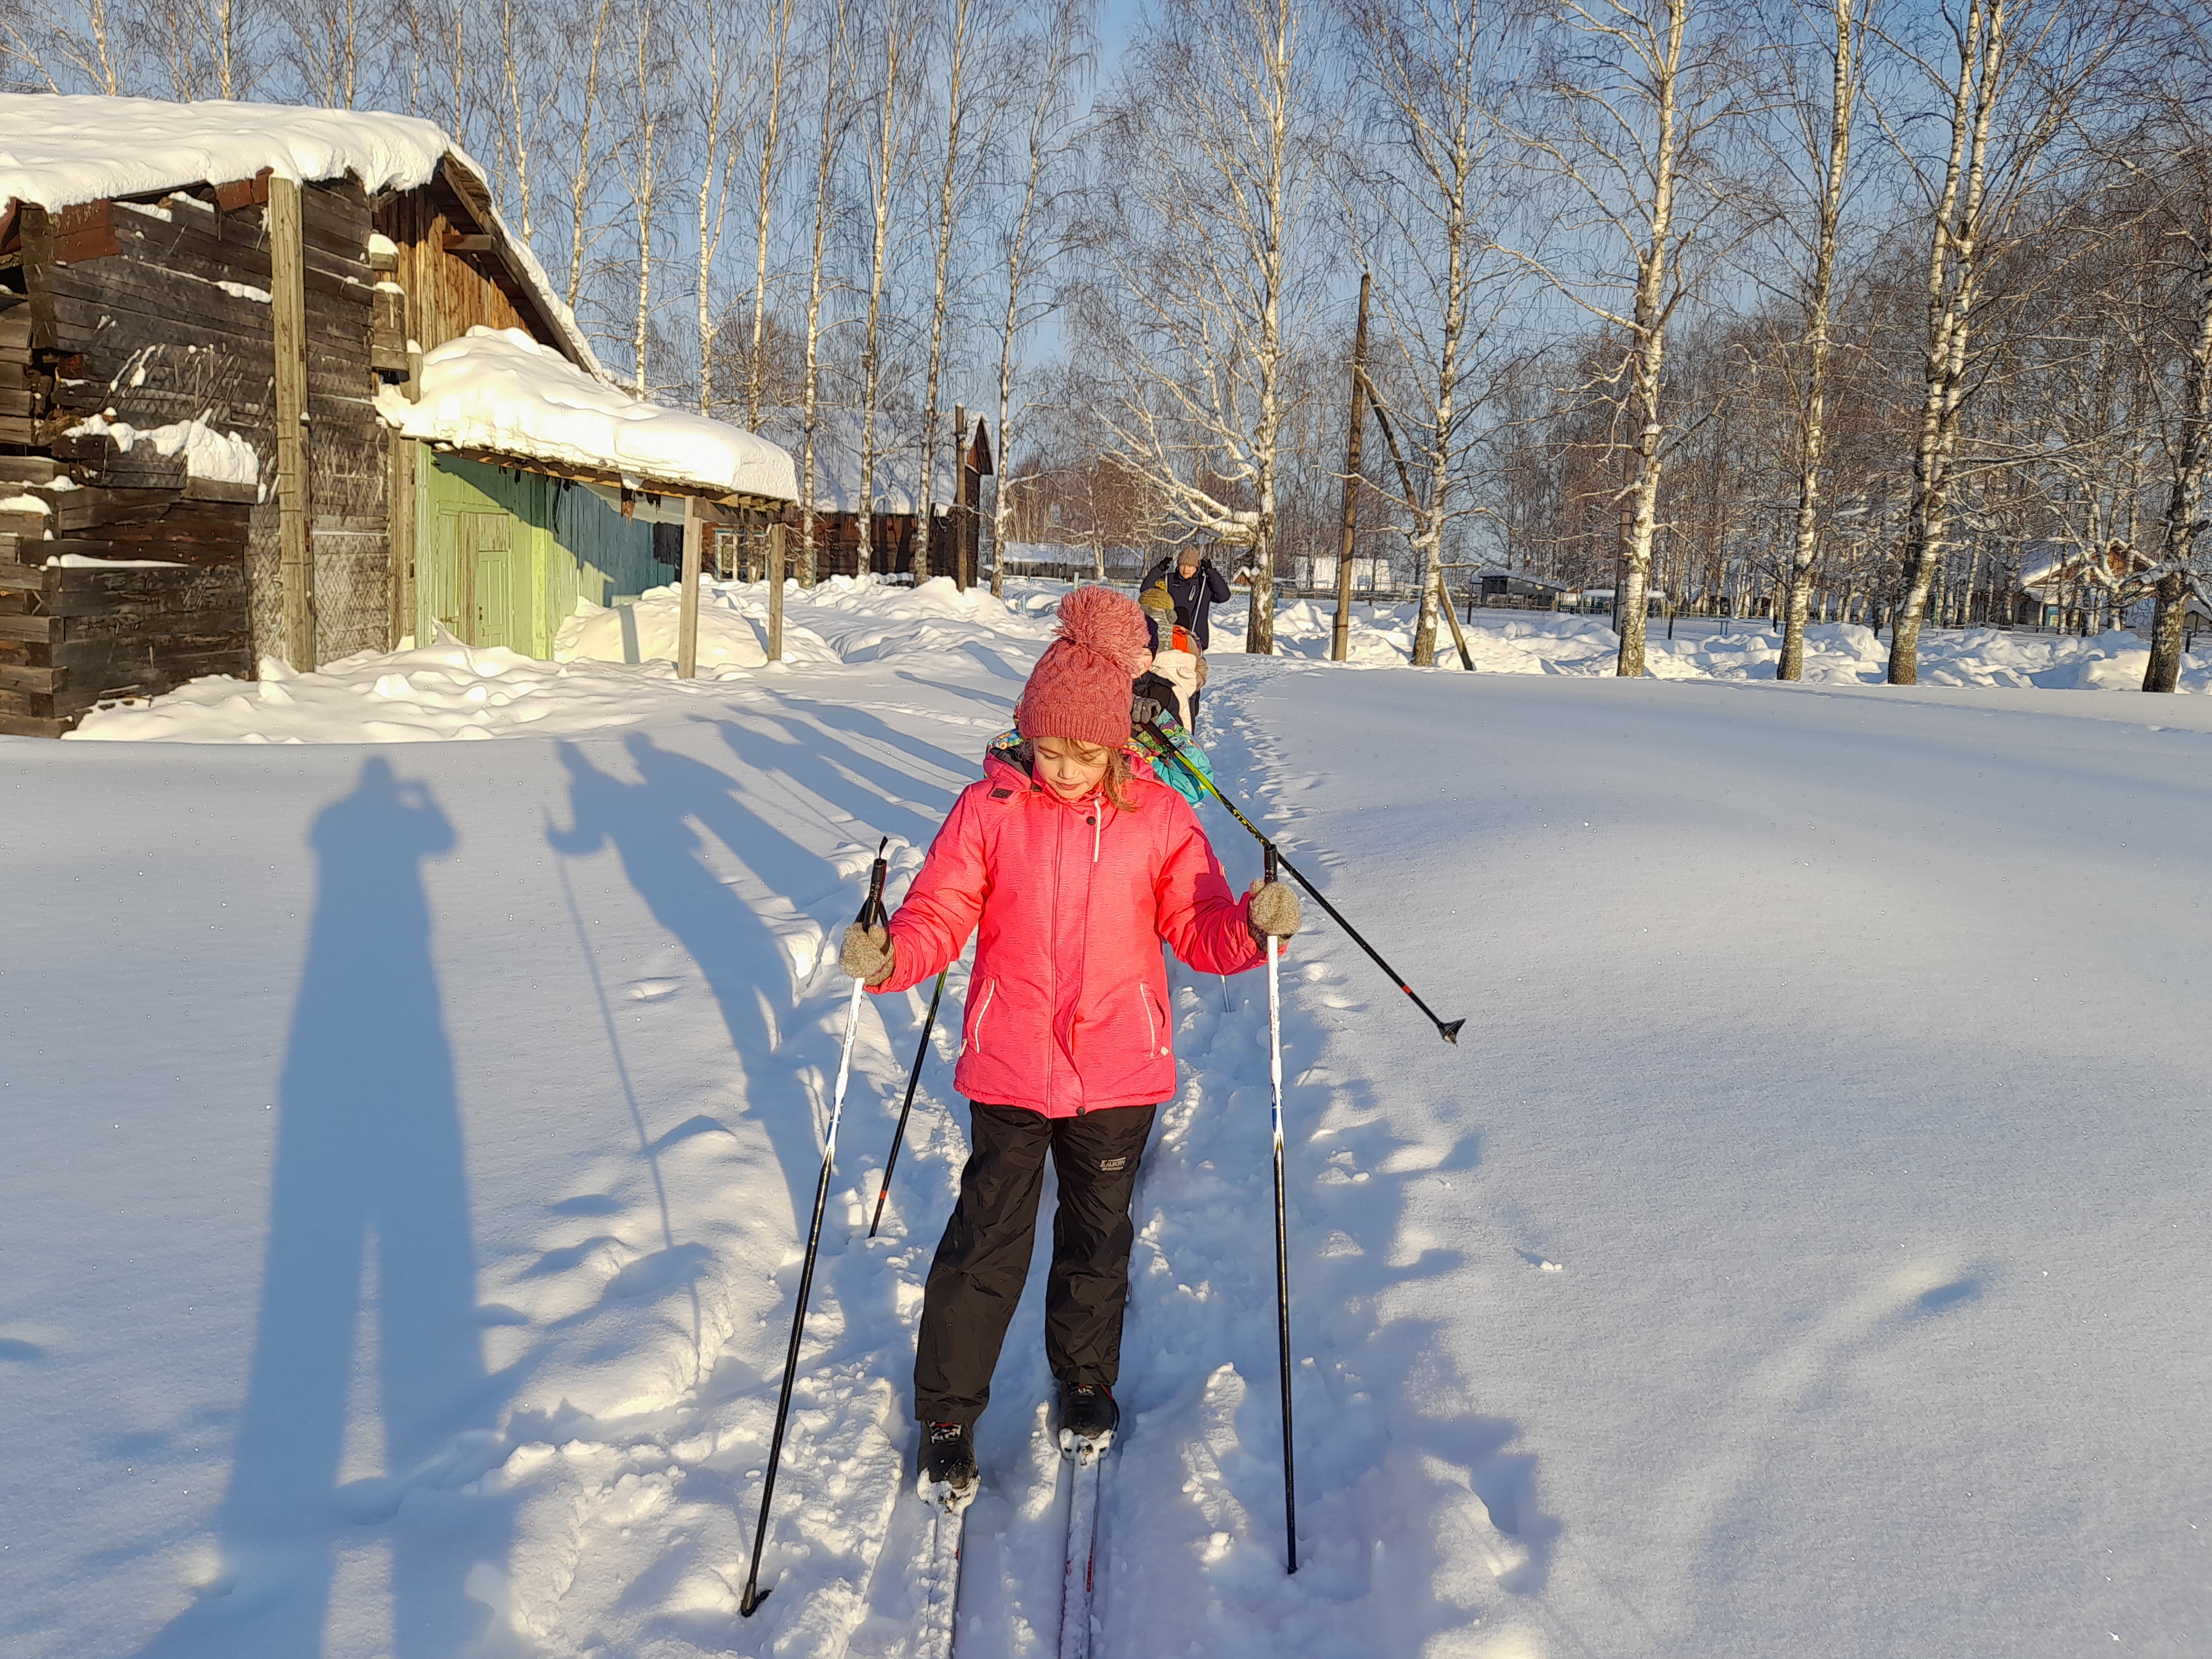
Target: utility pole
<point>1340,644</point>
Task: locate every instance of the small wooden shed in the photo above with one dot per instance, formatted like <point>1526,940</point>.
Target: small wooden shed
<point>200,305</point>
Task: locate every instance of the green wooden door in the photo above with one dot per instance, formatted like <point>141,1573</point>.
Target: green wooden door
<point>491,611</point>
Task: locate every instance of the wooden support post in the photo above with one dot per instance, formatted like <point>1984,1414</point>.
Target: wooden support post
<point>687,609</point>
<point>961,516</point>
<point>288,322</point>
<point>399,512</point>
<point>1340,638</point>
<point>775,532</point>
<point>1451,616</point>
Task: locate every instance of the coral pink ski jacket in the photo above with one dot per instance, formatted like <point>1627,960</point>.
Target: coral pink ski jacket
<point>1067,1008</point>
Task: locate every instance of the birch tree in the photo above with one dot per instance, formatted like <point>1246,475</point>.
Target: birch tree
<point>2183,227</point>
<point>775,72</point>
<point>829,137</point>
<point>973,101</point>
<point>721,96</point>
<point>1426,65</point>
<point>1823,148</point>
<point>1209,155</point>
<point>642,157</point>
<point>1637,98</point>
<point>582,143</point>
<point>889,149</point>
<point>1053,60</point>
<point>2017,77</point>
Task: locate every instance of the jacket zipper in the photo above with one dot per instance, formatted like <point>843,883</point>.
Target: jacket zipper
<point>975,1035</point>
<point>1152,1030</point>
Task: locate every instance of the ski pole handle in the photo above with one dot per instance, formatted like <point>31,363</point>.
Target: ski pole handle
<point>871,908</point>
<point>1272,860</point>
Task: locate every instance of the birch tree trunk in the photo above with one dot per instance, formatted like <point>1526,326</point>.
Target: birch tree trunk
<point>580,178</point>
<point>644,152</point>
<point>1211,150</point>
<point>960,27</point>
<point>1848,18</point>
<point>884,169</point>
<point>824,204</point>
<point>1047,144</point>
<point>1954,250</point>
<point>764,212</point>
<point>2182,524</point>
<point>1424,57</point>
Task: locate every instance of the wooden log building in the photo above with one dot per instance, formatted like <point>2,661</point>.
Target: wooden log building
<point>193,474</point>
<point>956,493</point>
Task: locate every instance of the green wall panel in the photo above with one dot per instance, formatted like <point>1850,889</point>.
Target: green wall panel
<point>503,555</point>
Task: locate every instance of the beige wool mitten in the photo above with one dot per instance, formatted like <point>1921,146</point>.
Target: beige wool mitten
<point>1274,910</point>
<point>868,954</point>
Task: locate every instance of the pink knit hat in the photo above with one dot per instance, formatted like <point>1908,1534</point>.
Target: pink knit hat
<point>1080,689</point>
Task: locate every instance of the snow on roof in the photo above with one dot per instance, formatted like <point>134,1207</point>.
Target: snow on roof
<point>58,151</point>
<point>837,457</point>
<point>498,390</point>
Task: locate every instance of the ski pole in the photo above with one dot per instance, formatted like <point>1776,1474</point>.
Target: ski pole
<point>871,911</point>
<point>1282,1246</point>
<point>1447,1029</point>
<point>920,1053</point>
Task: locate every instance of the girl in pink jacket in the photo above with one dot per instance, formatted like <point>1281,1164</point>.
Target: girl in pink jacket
<point>1071,864</point>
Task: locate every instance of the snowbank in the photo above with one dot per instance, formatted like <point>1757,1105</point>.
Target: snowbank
<point>616,668</point>
<point>57,151</point>
<point>1835,654</point>
<point>498,390</point>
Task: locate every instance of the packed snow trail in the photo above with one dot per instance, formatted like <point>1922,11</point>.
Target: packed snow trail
<point>1801,1252</point>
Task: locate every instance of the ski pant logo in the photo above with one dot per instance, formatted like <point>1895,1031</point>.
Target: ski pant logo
<point>1109,1164</point>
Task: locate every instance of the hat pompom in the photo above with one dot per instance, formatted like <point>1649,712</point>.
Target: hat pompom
<point>1099,619</point>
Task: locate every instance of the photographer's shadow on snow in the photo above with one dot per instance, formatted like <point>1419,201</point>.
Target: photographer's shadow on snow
<point>370,1177</point>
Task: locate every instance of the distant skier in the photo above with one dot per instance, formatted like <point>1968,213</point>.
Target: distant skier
<point>1075,862</point>
<point>1195,586</point>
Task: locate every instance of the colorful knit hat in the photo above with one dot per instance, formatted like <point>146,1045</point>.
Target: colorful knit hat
<point>1080,689</point>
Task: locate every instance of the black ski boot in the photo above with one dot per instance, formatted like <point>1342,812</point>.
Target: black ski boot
<point>1087,1412</point>
<point>949,1475</point>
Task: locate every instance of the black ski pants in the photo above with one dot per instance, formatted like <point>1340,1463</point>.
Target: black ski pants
<point>984,1256</point>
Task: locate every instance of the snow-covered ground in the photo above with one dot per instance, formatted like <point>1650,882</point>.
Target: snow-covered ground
<point>1802,1254</point>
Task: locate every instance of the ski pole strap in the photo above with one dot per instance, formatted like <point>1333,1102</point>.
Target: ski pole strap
<point>871,908</point>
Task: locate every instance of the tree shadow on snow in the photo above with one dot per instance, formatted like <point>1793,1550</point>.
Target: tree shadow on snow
<point>369,1171</point>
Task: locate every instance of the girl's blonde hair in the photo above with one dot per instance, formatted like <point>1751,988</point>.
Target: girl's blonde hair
<point>1119,776</point>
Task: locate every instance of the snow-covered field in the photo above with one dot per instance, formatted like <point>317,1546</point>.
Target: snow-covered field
<point>1802,1254</point>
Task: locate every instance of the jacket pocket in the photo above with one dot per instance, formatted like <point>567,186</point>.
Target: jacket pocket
<point>1156,1023</point>
<point>975,1042</point>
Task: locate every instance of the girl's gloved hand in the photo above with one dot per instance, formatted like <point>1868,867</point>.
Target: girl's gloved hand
<point>1274,910</point>
<point>868,954</point>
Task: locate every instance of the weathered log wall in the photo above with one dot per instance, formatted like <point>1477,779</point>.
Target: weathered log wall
<point>153,314</point>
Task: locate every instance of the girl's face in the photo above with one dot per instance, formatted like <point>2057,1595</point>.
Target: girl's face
<point>1070,770</point>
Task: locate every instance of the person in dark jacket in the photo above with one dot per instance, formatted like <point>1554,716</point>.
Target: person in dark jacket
<point>1195,586</point>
